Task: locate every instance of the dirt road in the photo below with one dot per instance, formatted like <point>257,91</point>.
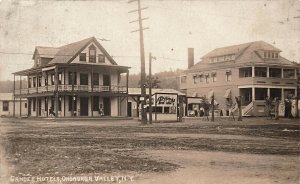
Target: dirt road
<point>252,151</point>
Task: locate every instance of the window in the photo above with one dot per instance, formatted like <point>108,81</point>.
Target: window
<point>25,105</point>
<point>34,81</point>
<point>260,72</point>
<point>52,79</point>
<point>275,92</point>
<point>201,78</point>
<point>59,78</point>
<point>92,54</point>
<point>71,78</point>
<point>40,81</point>
<point>195,79</point>
<point>228,76</point>
<point>261,93</point>
<point>214,77</point>
<point>46,81</point>
<point>245,72</point>
<point>166,110</point>
<point>288,93</point>
<point>96,79</point>
<point>275,72</point>
<point>84,79</point>
<point>74,99</point>
<point>183,79</point>
<point>289,73</point>
<point>33,104</point>
<point>101,58</point>
<point>95,103</point>
<point>29,82</point>
<point>82,57</point>
<point>271,55</point>
<point>206,79</point>
<point>38,62</point>
<point>5,105</point>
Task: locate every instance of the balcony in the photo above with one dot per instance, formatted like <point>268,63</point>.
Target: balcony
<point>70,88</point>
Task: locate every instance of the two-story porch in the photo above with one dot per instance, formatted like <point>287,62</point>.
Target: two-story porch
<point>75,90</point>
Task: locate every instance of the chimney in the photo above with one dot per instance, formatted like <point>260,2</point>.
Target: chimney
<point>190,57</point>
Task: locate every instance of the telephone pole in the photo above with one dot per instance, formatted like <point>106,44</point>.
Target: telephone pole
<point>150,86</point>
<point>142,55</point>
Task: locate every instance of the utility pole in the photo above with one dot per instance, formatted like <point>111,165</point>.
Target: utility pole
<point>150,86</point>
<point>142,55</point>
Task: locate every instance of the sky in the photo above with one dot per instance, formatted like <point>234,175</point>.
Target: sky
<point>174,26</point>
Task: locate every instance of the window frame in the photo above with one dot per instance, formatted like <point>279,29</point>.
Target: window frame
<point>5,106</point>
<point>101,58</point>
<point>82,57</point>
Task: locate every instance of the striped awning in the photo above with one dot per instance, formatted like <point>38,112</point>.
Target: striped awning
<point>227,93</point>
<point>210,94</point>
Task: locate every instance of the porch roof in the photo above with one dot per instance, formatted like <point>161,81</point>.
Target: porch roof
<point>121,69</point>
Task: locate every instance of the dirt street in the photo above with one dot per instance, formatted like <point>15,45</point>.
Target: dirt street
<point>253,151</point>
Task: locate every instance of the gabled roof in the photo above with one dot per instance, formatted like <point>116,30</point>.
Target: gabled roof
<point>246,53</point>
<point>45,52</point>
<point>68,52</point>
<point>238,49</point>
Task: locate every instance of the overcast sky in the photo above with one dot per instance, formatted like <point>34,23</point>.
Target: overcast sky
<point>174,25</point>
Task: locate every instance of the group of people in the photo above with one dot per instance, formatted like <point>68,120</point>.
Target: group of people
<point>272,107</point>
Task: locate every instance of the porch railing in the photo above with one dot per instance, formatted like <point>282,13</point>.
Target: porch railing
<point>70,88</point>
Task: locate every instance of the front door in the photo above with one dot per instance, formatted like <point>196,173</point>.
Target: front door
<point>29,107</point>
<point>40,106</point>
<point>84,106</point>
<point>129,109</point>
<point>106,106</point>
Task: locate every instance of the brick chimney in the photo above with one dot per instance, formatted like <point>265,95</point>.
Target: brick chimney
<point>190,57</point>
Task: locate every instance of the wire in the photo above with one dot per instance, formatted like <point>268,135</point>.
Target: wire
<point>116,56</point>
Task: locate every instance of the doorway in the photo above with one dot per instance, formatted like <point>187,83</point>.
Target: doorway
<point>29,107</point>
<point>84,106</point>
<point>129,107</point>
<point>106,106</point>
<point>39,107</point>
<point>106,80</point>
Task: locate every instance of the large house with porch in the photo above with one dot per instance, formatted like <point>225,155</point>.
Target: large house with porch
<point>78,79</point>
<point>254,71</point>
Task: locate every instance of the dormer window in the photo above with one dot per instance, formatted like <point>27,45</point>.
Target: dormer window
<point>271,55</point>
<point>92,54</point>
<point>82,57</point>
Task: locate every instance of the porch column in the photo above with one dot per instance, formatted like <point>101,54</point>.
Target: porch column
<point>127,78</point>
<point>92,86</point>
<point>36,98</point>
<point>268,72</point>
<point>268,92</point>
<point>282,94</point>
<point>56,91</point>
<point>14,108</point>
<point>282,73</point>
<point>253,71</point>
<point>20,96</point>
<point>253,94</point>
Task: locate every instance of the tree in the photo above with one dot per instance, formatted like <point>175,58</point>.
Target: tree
<point>155,82</point>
